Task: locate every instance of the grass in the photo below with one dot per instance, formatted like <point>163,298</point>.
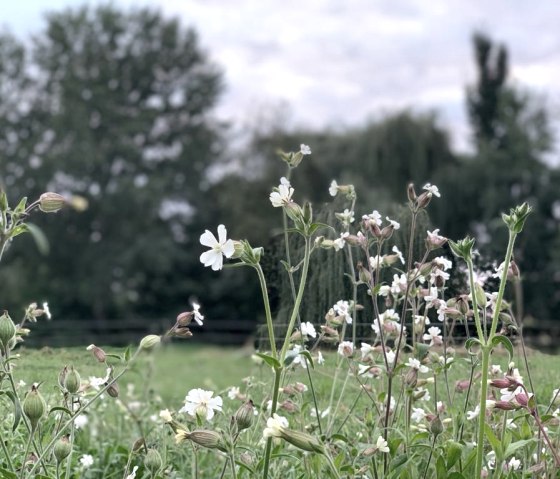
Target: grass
<point>170,371</point>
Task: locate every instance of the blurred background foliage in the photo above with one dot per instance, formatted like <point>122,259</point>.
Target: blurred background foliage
<point>117,107</point>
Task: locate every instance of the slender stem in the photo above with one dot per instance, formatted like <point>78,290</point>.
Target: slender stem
<point>7,454</point>
<point>269,325</point>
<point>26,453</point>
<point>232,460</point>
<point>331,465</point>
<point>430,457</point>
<point>341,395</point>
<point>479,330</point>
<point>275,392</point>
<point>299,297</point>
<point>486,349</point>
<point>72,428</point>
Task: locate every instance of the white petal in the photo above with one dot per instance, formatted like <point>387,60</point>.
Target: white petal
<point>218,262</point>
<point>208,258</point>
<point>208,239</point>
<point>222,234</point>
<point>228,248</point>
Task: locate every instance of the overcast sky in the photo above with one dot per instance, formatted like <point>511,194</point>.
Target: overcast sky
<point>340,62</point>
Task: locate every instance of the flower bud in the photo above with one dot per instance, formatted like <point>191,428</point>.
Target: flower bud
<point>411,193</point>
<point>7,330</point>
<point>113,389</point>
<point>51,202</point>
<point>34,406</point>
<point>98,353</point>
<point>302,440</point>
<point>182,332</point>
<point>152,461</point>
<point>62,449</point>
<point>208,439</point>
<point>244,416</point>
<point>436,426</point>
<point>424,200</point>
<point>72,381</point>
<point>184,319</point>
<point>150,342</point>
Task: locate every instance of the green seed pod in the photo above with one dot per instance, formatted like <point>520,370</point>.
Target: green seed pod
<point>34,406</point>
<point>208,439</point>
<point>72,381</point>
<point>7,330</point>
<point>153,461</point>
<point>62,449</point>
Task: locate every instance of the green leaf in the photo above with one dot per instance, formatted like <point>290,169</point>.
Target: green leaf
<point>17,408</point>
<point>441,469</point>
<point>5,474</point>
<point>455,475</point>
<point>517,445</point>
<point>308,356</point>
<point>469,343</point>
<point>505,341</point>
<point>127,354</point>
<point>60,408</point>
<point>39,237</point>
<point>271,361</point>
<point>20,208</point>
<point>454,450</point>
<point>494,442</point>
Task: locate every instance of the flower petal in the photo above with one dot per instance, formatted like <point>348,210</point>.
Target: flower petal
<point>208,258</point>
<point>208,239</point>
<point>222,234</point>
<point>228,248</point>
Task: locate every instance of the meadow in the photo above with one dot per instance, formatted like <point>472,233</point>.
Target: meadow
<point>412,401</point>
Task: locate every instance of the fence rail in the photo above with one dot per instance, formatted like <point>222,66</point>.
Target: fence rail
<point>543,335</point>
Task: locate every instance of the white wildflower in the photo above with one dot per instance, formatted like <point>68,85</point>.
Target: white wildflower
<point>218,248</point>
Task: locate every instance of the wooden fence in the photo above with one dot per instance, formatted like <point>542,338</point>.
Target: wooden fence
<point>543,335</point>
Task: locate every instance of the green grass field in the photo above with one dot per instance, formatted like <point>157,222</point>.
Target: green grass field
<point>173,370</point>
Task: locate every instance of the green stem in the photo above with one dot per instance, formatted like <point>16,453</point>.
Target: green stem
<point>299,298</point>
<point>331,465</point>
<point>72,428</point>
<point>486,349</point>
<point>275,393</point>
<point>7,454</point>
<point>26,453</point>
<point>479,330</point>
<point>269,325</point>
<point>232,460</point>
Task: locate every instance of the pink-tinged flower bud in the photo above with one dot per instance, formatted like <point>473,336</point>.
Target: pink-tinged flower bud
<point>436,426</point>
<point>462,385</point>
<point>98,353</point>
<point>289,406</point>
<point>502,383</point>
<point>51,202</point>
<point>424,200</point>
<point>522,399</point>
<point>184,319</point>
<point>506,406</point>
<point>411,193</point>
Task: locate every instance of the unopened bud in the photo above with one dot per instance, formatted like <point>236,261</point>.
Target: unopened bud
<point>424,200</point>
<point>411,378</point>
<point>244,416</point>
<point>72,381</point>
<point>62,449</point>
<point>34,406</point>
<point>113,389</point>
<point>302,440</point>
<point>98,353</point>
<point>51,202</point>
<point>184,319</point>
<point>436,426</point>
<point>150,342</point>
<point>182,332</point>
<point>7,330</point>
<point>208,439</point>
<point>411,193</point>
<point>363,274</point>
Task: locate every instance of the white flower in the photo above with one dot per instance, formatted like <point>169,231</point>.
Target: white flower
<point>397,251</point>
<point>81,421</point>
<point>495,369</point>
<point>415,364</point>
<point>433,189</point>
<point>513,464</point>
<point>233,392</point>
<point>165,415</point>
<point>224,247</point>
<point>442,262</point>
<point>342,308</point>
<point>375,261</point>
<point>346,348</point>
<point>333,189</point>
<point>320,358</point>
<point>366,349</point>
<point>132,475</point>
<point>418,414</point>
<point>391,357</point>
<point>197,316</point>
<point>21,383</point>
<point>339,243</point>
<point>374,217</point>
<point>381,444</point>
<point>47,310</point>
<point>307,329</point>
<point>275,426</point>
<point>304,149</point>
<point>283,195</point>
<point>86,460</point>
<point>433,336</point>
<point>199,402</point>
<point>394,224</point>
<point>346,217</point>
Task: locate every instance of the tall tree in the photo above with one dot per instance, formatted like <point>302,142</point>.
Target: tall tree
<point>124,114</point>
